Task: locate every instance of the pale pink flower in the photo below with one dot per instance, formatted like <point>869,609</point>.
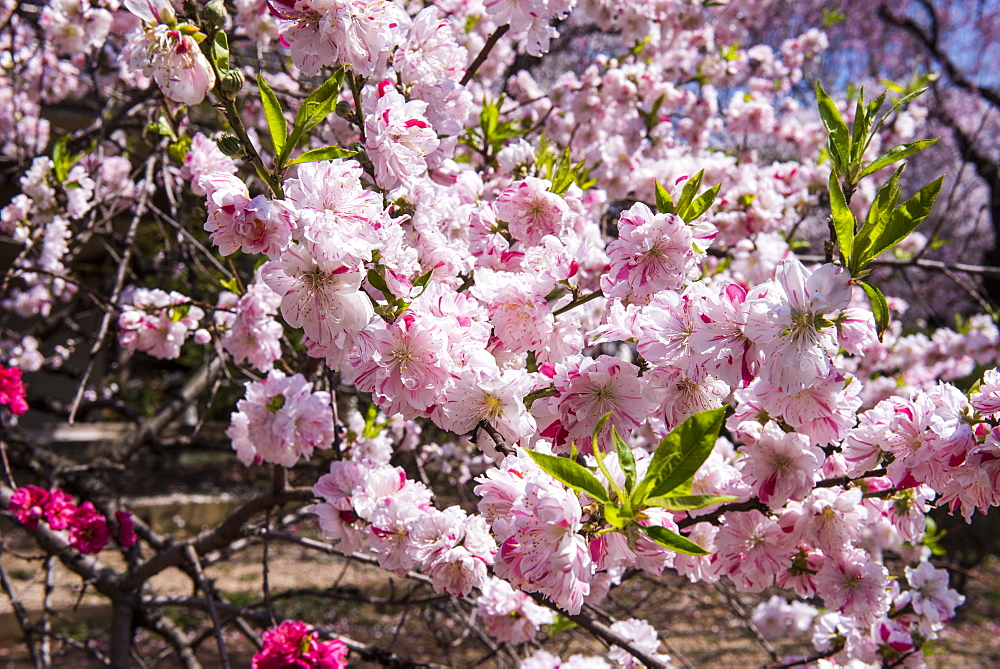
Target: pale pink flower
<point>790,319</point>
<point>681,396</point>
<point>751,549</point>
<point>398,138</point>
<point>511,616</point>
<point>253,334</point>
<point>719,337</point>
<point>356,33</point>
<point>168,54</point>
<point>780,466</point>
<point>157,322</point>
<point>929,593</point>
<point>318,294</point>
<point>532,211</point>
<point>831,519</point>
<point>204,158</point>
<point>854,584</point>
<point>986,400</point>
<point>491,395</point>
<point>642,636</point>
<point>589,389</point>
<point>281,420</point>
<point>653,252</point>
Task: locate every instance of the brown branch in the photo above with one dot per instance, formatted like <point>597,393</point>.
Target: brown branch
<point>483,54</point>
<point>214,538</point>
<point>604,632</point>
<point>921,263</point>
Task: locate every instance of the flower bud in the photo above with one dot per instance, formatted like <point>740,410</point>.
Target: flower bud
<point>215,14</point>
<point>231,84</point>
<point>344,111</point>
<point>232,146</point>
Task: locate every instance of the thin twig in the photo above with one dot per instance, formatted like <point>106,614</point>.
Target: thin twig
<point>206,587</point>
<point>483,54</point>
<point>129,245</point>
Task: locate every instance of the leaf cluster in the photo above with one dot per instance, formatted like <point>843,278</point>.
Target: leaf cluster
<point>888,222</point>
<point>666,484</point>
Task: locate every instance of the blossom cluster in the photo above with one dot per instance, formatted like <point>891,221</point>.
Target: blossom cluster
<point>487,275</point>
<point>292,644</point>
<point>371,505</point>
<point>86,529</point>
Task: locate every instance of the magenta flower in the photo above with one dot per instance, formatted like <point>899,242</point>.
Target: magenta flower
<point>126,528</point>
<point>12,390</point>
<point>27,504</point>
<point>291,645</point>
<point>88,529</point>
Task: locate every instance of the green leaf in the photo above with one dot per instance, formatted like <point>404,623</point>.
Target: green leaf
<point>905,218</point>
<point>700,204</point>
<point>679,455</point>
<point>844,223</point>
<point>314,109</point>
<point>616,516</point>
<point>323,153</point>
<point>673,541</point>
<point>688,193</point>
<point>896,154</point>
<point>571,474</point>
<point>625,459</point>
<point>840,138</point>
<point>220,51</point>
<point>664,203</point>
<point>878,214</point>
<point>379,284</point>
<point>561,624</point>
<point>879,307</point>
<point>276,123</point>
<point>686,502</point>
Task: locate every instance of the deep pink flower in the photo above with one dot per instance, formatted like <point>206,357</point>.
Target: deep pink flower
<point>126,528</point>
<point>59,508</point>
<point>88,529</point>
<point>12,390</point>
<point>27,504</point>
<point>291,645</point>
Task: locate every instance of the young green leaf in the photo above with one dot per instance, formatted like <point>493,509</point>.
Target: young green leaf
<point>571,474</point>
<point>323,153</point>
<point>879,307</point>
<point>896,154</point>
<point>686,502</point>
<point>700,204</point>
<point>878,214</point>
<point>625,459</point>
<point>688,193</point>
<point>220,51</point>
<point>275,115</point>
<point>679,455</point>
<point>314,109</point>
<point>664,203</point>
<point>844,223</point>
<point>840,138</point>
<point>673,541</point>
<point>905,218</point>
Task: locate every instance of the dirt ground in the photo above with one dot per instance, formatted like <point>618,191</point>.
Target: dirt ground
<point>363,603</point>
<point>699,627</point>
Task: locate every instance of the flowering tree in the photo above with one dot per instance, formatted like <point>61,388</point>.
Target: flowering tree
<point>626,304</point>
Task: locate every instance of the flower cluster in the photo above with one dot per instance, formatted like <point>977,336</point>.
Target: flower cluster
<point>86,529</point>
<point>156,322</point>
<point>281,420</point>
<point>369,504</point>
<point>292,644</point>
<point>12,390</point>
